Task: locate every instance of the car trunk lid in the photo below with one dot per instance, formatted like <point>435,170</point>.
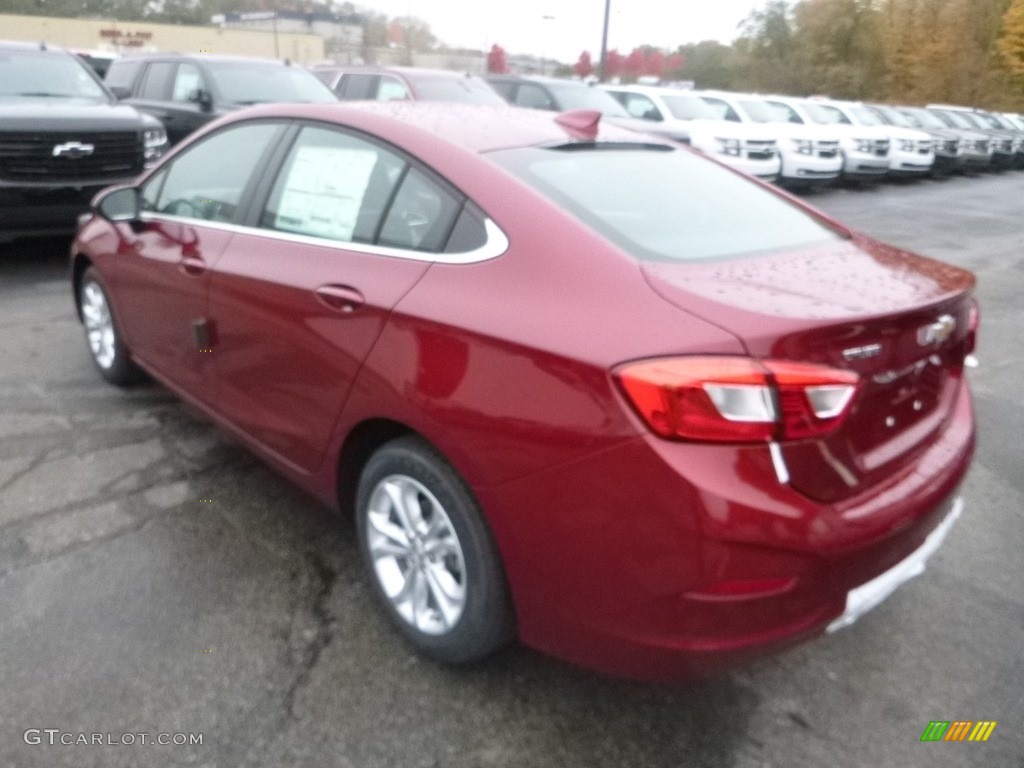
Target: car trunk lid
<point>900,321</point>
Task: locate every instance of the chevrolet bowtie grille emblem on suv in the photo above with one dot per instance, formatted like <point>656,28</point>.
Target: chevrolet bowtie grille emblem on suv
<point>73,149</point>
<point>937,332</point>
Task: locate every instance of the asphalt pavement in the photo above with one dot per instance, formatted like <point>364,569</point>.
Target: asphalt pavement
<point>156,579</point>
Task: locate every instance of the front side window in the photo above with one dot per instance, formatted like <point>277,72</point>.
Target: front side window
<point>343,188</point>
<point>391,89</point>
<point>638,105</point>
<point>208,179</point>
<point>722,109</point>
<point>665,205</point>
<point>785,113</point>
<point>187,82</point>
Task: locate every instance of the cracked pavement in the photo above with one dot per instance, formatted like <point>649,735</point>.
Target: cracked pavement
<point>155,577</point>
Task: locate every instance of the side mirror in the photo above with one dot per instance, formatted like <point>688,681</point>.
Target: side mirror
<point>120,204</point>
<point>120,91</point>
<point>203,98</point>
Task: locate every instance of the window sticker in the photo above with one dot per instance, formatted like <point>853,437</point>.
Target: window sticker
<point>324,191</point>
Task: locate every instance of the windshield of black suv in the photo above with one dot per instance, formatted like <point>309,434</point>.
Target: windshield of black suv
<point>244,82</point>
<point>465,90</point>
<point>43,74</point>
<point>580,96</point>
<point>661,204</point>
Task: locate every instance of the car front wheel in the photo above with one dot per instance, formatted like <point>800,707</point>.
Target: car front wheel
<point>429,554</point>
<point>102,333</point>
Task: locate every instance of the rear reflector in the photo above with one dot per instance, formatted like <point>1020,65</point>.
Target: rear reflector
<point>737,399</point>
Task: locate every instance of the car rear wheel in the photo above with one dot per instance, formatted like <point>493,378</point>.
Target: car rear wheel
<point>429,554</point>
<point>102,333</point>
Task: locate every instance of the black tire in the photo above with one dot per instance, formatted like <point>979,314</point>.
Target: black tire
<point>113,360</point>
<point>485,622</point>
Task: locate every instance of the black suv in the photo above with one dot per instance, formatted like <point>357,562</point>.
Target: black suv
<point>62,138</point>
<point>186,92</point>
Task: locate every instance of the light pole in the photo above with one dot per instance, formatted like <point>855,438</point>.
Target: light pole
<point>544,44</point>
<point>603,69</point>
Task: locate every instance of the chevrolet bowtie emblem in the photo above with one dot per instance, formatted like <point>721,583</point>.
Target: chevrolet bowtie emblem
<point>73,149</point>
<point>937,332</point>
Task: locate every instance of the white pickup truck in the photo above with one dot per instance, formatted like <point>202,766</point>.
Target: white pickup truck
<point>911,152</point>
<point>865,148</point>
<point>809,153</point>
<point>748,148</point>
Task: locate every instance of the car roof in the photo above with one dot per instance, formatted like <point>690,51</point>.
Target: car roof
<point>209,58</point>
<point>16,45</point>
<point>472,127</point>
<point>412,72</point>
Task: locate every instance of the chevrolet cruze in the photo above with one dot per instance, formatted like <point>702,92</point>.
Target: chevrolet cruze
<point>579,387</point>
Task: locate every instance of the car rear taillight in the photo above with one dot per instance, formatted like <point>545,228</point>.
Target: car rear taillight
<point>737,399</point>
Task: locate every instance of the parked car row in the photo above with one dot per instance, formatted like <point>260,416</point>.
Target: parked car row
<point>66,134</point>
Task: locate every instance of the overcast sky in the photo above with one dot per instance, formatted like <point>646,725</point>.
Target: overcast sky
<point>520,26</point>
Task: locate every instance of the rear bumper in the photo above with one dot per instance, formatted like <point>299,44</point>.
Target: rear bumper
<point>690,558</point>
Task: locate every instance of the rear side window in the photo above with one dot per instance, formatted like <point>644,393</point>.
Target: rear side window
<point>122,73</point>
<point>341,187</point>
<point>665,205</point>
<point>156,84</point>
<point>391,89</point>
<point>358,87</point>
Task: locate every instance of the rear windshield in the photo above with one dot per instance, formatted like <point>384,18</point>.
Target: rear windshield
<point>665,205</point>
<point>244,83</point>
<point>467,90</point>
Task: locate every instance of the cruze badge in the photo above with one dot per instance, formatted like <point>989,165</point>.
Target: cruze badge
<point>937,332</point>
<point>862,353</point>
<point>73,149</point>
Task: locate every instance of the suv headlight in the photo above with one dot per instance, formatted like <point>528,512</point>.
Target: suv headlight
<point>804,146</point>
<point>154,144</point>
<point>729,147</point>
<point>906,145</point>
<point>865,145</point>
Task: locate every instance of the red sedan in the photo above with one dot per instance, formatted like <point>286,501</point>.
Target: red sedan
<point>579,387</point>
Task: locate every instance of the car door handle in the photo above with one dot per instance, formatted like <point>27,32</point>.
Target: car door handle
<point>340,297</point>
<point>193,265</point>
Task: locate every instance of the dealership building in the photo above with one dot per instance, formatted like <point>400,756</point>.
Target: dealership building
<point>124,38</point>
